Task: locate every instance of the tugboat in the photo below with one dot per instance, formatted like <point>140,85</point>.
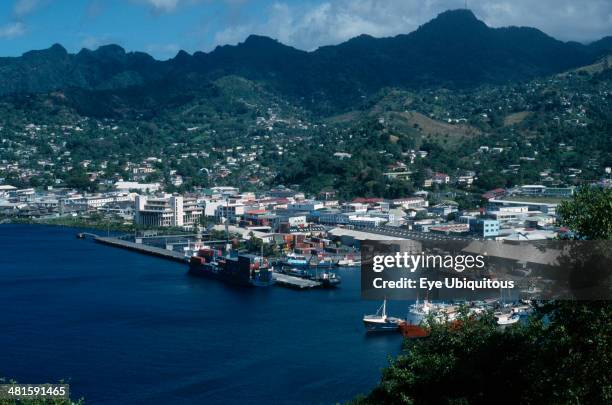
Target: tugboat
<point>328,279</point>
<point>295,272</point>
<point>380,322</point>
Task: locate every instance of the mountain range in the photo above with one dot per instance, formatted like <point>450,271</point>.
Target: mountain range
<point>455,49</point>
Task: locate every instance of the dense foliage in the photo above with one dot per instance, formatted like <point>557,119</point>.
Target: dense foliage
<point>261,114</point>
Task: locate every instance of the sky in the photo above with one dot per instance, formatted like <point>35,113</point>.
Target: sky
<point>163,27</point>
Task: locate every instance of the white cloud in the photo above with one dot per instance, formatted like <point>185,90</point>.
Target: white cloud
<point>12,30</point>
<point>162,6</point>
<point>331,22</point>
<point>25,7</point>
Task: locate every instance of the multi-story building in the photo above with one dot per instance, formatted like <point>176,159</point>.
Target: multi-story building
<point>305,206</point>
<point>229,211</point>
<point>410,202</point>
<point>484,228</point>
<point>165,210</point>
<point>543,191</point>
<point>192,212</point>
<point>89,202</point>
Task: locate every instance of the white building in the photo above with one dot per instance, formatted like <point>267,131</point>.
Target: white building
<point>166,210</point>
<point>100,200</point>
<point>305,206</point>
<point>141,187</point>
<point>410,202</point>
<point>5,189</point>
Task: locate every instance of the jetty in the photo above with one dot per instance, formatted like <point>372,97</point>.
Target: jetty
<point>141,248</point>
<point>285,280</point>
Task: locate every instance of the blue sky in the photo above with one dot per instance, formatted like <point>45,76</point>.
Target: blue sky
<point>162,27</point>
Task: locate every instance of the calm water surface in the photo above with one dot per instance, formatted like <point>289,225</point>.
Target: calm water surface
<point>126,328</point>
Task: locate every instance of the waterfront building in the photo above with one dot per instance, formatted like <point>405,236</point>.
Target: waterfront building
<point>92,202</point>
<point>165,210</point>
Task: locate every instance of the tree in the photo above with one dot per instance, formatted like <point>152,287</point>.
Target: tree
<point>589,213</point>
<point>77,178</point>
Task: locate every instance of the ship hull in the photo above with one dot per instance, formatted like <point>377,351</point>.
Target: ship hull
<point>208,271</point>
<point>380,326</point>
<point>412,331</point>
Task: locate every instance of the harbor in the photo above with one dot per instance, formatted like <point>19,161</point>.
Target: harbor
<point>423,314</point>
<point>177,331</point>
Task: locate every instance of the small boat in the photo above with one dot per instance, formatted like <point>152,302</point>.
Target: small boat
<point>506,318</point>
<point>380,322</point>
<point>294,271</point>
<point>327,278</point>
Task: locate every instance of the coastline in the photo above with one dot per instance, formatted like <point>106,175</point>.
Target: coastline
<point>79,223</point>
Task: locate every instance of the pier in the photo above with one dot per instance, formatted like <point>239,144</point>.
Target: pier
<point>295,282</point>
<point>142,248</point>
<point>283,280</point>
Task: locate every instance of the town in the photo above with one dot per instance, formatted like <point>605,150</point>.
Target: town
<point>285,217</point>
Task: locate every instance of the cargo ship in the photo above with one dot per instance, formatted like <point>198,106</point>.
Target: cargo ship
<point>234,268</point>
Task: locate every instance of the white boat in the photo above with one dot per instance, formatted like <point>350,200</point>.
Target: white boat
<point>380,322</point>
<point>506,318</point>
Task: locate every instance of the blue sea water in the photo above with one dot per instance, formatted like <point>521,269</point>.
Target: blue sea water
<point>126,328</point>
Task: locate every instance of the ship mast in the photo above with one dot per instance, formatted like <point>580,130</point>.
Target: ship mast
<point>384,309</point>
<point>198,236</point>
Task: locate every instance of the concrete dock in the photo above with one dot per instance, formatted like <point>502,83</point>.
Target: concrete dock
<point>294,282</point>
<point>142,248</point>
